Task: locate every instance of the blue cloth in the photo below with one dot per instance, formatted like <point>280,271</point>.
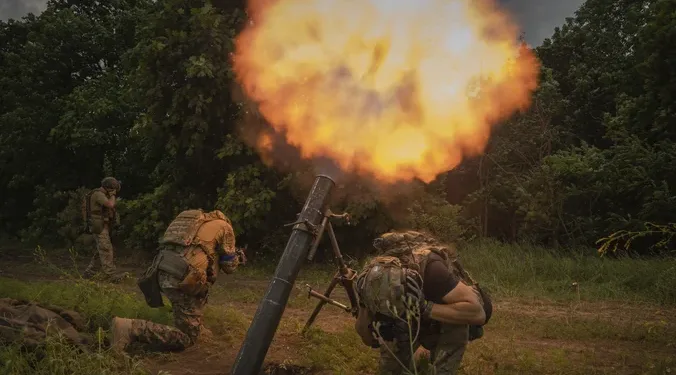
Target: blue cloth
<point>226,258</point>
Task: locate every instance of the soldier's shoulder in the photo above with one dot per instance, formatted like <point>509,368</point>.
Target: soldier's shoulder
<point>98,194</point>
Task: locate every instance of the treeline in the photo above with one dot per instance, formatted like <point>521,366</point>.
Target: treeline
<point>143,90</point>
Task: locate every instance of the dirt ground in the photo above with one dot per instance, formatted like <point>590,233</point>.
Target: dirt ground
<point>528,336</point>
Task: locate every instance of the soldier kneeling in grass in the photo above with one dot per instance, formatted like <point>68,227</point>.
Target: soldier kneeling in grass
<point>417,294</point>
<point>195,246</point>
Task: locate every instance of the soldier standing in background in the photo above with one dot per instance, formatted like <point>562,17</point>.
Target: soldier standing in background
<point>100,216</point>
<point>195,246</point>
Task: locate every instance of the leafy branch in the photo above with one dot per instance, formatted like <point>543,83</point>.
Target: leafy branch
<point>623,239</point>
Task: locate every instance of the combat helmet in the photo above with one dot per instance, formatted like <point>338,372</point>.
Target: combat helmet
<point>396,243</point>
<point>111,183</point>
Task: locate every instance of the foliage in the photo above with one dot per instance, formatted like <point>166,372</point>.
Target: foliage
<point>144,91</point>
<point>61,358</point>
<point>624,238</point>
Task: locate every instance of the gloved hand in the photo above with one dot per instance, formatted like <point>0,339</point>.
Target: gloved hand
<point>228,263</point>
<point>241,255</point>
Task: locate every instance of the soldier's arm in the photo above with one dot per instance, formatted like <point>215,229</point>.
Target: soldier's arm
<point>101,199</point>
<point>461,306</point>
<point>455,302</point>
<point>227,255</point>
<point>362,327</point>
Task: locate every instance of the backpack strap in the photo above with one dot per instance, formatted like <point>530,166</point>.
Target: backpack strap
<point>88,209</point>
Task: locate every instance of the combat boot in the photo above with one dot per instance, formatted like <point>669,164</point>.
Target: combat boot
<point>121,330</point>
<point>118,278</point>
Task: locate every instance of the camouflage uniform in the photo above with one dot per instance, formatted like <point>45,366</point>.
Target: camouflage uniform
<point>100,227</point>
<point>447,346</point>
<point>446,342</point>
<point>214,238</point>
<point>188,311</point>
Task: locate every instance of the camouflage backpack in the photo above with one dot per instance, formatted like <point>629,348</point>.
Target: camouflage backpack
<point>86,210</point>
<point>183,229</point>
<point>387,288</point>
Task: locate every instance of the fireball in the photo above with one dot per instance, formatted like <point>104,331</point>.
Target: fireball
<point>396,89</point>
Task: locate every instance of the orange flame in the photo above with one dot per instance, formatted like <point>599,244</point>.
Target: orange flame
<point>399,89</point>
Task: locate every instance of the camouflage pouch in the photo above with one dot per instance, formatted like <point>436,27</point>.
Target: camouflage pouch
<point>95,226</point>
<point>173,263</point>
<point>150,285</point>
<point>195,282</point>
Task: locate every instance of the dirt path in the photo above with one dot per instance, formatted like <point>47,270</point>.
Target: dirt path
<point>525,336</point>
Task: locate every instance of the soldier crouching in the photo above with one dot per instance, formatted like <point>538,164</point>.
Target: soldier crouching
<point>417,287</point>
<point>194,248</point>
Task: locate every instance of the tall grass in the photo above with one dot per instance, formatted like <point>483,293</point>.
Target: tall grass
<point>56,357</point>
<point>97,302</point>
<point>530,271</point>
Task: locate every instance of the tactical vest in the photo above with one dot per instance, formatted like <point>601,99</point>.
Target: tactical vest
<point>183,230</point>
<point>95,216</point>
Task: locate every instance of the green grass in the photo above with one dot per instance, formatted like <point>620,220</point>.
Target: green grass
<point>529,271</point>
<point>58,358</point>
<point>610,325</point>
<point>98,302</point>
<point>522,271</point>
<point>340,353</point>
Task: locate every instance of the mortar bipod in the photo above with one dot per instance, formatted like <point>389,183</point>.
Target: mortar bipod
<point>345,276</point>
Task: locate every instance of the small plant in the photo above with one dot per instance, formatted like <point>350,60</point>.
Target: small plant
<point>411,317</point>
<point>625,238</point>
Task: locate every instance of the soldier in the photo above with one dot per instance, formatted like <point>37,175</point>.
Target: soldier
<point>193,249</point>
<point>100,217</point>
<point>421,276</point>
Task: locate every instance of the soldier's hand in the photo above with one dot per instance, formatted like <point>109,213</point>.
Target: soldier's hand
<point>241,255</point>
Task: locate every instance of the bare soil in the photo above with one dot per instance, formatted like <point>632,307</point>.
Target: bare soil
<point>527,335</point>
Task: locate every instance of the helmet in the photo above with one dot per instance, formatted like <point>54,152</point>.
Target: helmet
<point>397,241</point>
<point>219,215</point>
<point>387,288</point>
<point>111,183</point>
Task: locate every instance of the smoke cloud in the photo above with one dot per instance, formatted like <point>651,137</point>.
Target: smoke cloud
<point>538,18</point>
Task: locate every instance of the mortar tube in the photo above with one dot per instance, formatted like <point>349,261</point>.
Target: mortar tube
<point>252,353</point>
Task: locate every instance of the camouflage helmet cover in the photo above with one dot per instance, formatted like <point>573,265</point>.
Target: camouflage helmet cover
<point>393,242</point>
<point>219,215</point>
<point>111,183</point>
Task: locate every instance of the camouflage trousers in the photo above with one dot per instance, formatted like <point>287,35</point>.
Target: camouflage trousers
<point>103,257</point>
<point>188,312</point>
<point>447,347</point>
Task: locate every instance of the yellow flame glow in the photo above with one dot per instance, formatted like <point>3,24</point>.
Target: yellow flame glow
<point>398,89</point>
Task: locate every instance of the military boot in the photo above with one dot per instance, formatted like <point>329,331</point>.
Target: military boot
<point>121,330</point>
<point>118,278</point>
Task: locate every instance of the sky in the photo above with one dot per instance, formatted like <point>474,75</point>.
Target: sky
<point>537,18</point>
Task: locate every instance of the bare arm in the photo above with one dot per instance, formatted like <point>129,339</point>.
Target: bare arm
<point>461,306</point>
<point>362,327</point>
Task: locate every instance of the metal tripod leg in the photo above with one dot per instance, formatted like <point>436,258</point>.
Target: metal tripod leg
<point>321,304</point>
